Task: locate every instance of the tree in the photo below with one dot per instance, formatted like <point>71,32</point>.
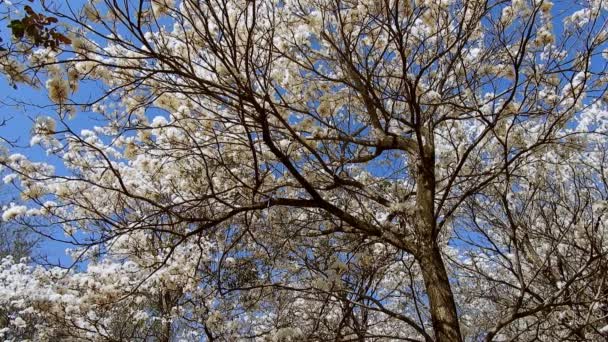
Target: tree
<point>326,170</point>
<point>18,244</point>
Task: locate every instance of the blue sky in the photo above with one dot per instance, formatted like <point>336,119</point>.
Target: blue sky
<point>18,129</point>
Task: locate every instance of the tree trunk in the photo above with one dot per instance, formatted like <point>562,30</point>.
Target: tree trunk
<point>436,281</point>
<point>441,299</point>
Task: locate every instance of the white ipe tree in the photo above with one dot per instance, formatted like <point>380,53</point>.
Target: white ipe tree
<point>316,170</point>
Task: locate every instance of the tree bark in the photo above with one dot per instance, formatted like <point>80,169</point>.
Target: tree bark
<point>436,281</point>
<point>441,299</point>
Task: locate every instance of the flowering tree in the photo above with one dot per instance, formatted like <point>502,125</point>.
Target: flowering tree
<point>319,170</point>
<point>18,243</point>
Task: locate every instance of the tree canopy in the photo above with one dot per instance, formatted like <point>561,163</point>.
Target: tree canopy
<point>315,170</point>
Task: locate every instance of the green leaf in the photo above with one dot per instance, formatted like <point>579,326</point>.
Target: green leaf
<point>17,27</point>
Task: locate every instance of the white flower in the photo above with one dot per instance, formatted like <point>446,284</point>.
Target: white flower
<point>58,89</point>
<point>507,15</point>
<point>13,212</point>
<point>287,334</point>
<point>9,178</point>
<point>578,18</point>
<point>19,322</point>
<point>44,125</point>
<point>159,121</point>
<point>597,207</point>
<point>544,37</point>
<point>546,6</point>
<point>161,7</point>
<point>91,13</point>
<point>324,109</point>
